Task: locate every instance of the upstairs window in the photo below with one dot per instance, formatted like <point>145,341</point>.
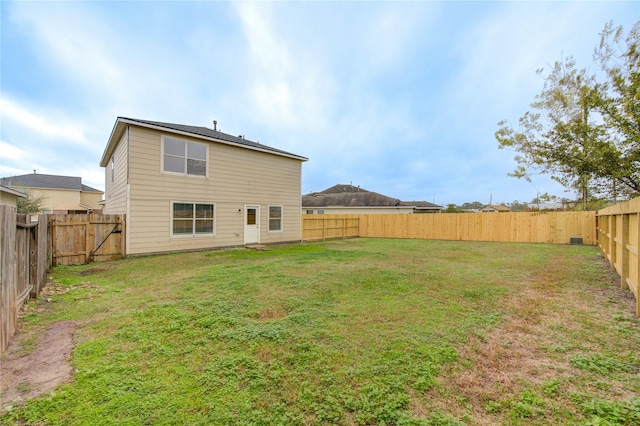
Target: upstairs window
<point>193,219</point>
<point>275,218</point>
<point>184,157</point>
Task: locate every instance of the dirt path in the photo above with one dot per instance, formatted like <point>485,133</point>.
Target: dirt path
<point>26,373</point>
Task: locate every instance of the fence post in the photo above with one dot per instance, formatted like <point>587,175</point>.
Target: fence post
<point>42,253</point>
<point>87,240</point>
<point>636,284</point>
<point>612,242</point>
<point>52,234</point>
<point>624,259</point>
<point>324,228</point>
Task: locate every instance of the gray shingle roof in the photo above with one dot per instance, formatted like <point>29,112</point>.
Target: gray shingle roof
<point>214,134</point>
<point>38,180</point>
<point>354,196</point>
<point>421,204</point>
<point>349,199</point>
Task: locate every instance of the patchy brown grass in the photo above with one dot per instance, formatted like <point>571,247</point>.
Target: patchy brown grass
<point>272,312</point>
<point>522,352</point>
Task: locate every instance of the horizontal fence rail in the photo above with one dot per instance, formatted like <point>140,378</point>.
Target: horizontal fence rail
<point>544,227</point>
<point>618,230</point>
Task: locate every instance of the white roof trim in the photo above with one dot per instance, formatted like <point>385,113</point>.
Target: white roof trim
<point>206,138</point>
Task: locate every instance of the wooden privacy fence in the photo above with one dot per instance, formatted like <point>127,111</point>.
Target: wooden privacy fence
<point>619,242</point>
<point>23,266</point>
<point>77,239</point>
<point>28,250</point>
<point>322,227</point>
<point>544,227</point>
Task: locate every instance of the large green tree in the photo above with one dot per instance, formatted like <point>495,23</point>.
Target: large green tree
<point>583,128</point>
<point>619,103</point>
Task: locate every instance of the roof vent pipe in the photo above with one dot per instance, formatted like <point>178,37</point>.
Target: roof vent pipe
<point>215,125</point>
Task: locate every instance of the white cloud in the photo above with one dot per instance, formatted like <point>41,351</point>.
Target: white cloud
<point>48,124</point>
<point>286,86</point>
<point>72,38</point>
<point>10,152</point>
<point>391,33</point>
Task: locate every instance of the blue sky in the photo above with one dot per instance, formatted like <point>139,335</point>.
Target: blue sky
<point>401,98</point>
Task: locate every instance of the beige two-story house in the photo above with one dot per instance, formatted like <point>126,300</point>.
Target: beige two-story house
<point>190,188</point>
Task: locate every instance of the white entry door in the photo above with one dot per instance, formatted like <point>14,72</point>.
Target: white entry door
<point>251,224</point>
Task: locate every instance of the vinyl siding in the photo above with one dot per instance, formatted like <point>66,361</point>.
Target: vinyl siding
<point>91,199</point>
<point>236,177</point>
<point>8,199</point>
<point>116,188</point>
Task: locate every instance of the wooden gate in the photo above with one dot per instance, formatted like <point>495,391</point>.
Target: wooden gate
<point>77,239</point>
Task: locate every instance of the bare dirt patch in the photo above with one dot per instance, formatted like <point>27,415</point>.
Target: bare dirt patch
<point>28,373</point>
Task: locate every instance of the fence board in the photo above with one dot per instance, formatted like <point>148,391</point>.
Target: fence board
<point>23,259</point>
<point>8,273</point>
<point>618,230</point>
<point>41,255</point>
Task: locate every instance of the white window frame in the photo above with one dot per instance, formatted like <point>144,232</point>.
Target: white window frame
<point>186,141</point>
<point>112,169</point>
<point>269,230</point>
<point>193,233</point>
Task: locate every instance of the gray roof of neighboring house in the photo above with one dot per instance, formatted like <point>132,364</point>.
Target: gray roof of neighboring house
<point>203,132</point>
<point>12,191</point>
<point>354,196</point>
<point>421,205</point>
<point>38,180</point>
<point>496,207</point>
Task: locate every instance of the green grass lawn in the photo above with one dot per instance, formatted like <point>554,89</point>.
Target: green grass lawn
<point>357,332</point>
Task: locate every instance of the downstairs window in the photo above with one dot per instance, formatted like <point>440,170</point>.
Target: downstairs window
<point>192,219</point>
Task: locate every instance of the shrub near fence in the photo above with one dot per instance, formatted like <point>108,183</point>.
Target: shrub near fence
<point>619,242</point>
<point>551,227</point>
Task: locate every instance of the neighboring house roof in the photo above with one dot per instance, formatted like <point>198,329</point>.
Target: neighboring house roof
<point>42,181</point>
<point>353,196</point>
<point>495,207</point>
<point>421,205</point>
<point>11,191</point>
<point>193,131</point>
